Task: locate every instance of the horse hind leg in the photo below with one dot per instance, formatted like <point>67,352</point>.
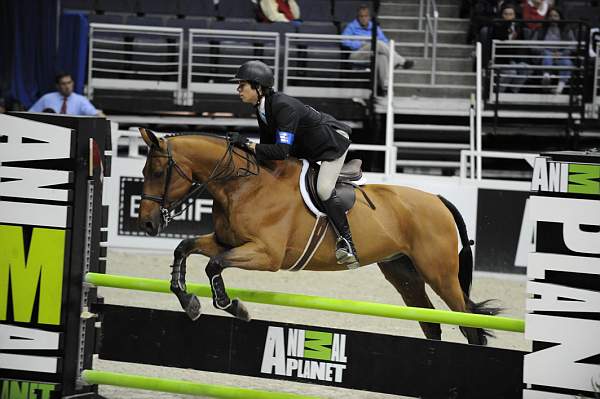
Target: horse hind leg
<point>404,277</point>
<point>448,288</point>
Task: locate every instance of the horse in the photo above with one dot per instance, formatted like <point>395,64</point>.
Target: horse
<point>261,223</point>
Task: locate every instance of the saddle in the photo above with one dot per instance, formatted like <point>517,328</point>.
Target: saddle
<point>350,178</point>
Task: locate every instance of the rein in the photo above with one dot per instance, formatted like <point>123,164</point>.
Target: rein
<point>224,170</point>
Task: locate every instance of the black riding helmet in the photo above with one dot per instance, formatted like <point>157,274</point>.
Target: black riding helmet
<point>255,71</point>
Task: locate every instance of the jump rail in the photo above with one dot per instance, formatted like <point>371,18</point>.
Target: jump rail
<point>319,303</point>
<point>181,387</point>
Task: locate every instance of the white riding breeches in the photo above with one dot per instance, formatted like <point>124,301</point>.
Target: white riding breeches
<point>329,173</point>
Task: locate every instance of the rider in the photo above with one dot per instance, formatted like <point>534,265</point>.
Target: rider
<point>288,127</point>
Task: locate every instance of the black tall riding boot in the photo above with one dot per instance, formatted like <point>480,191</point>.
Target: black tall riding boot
<point>345,252</point>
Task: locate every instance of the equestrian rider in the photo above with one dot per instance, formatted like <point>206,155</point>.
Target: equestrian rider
<point>290,128</point>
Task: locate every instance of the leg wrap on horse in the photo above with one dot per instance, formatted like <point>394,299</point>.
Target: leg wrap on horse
<point>220,298</point>
<point>345,252</point>
<point>189,302</point>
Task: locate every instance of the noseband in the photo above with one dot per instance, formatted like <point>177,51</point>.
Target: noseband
<point>228,171</point>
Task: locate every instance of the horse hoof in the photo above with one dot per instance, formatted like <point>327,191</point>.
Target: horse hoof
<point>193,308</point>
<point>238,310</point>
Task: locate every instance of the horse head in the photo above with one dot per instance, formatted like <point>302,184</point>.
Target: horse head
<point>168,181</point>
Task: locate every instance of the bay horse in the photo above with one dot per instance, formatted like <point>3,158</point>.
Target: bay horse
<point>261,223</point>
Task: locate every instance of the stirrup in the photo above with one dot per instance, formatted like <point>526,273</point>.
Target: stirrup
<point>345,255</point>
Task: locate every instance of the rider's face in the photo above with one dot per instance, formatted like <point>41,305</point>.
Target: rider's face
<point>247,93</point>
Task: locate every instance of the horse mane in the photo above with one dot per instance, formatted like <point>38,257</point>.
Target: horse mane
<point>268,166</point>
<point>194,134</point>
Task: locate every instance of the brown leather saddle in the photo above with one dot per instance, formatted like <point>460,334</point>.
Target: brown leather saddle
<point>351,172</point>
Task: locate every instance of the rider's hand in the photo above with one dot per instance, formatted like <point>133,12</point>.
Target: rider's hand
<point>238,140</point>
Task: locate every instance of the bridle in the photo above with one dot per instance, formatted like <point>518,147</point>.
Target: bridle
<point>224,170</point>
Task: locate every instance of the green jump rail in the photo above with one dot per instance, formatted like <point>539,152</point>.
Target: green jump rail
<point>181,387</point>
<point>319,303</point>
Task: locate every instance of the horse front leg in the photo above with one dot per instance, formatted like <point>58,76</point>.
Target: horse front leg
<point>206,245</point>
<point>250,256</point>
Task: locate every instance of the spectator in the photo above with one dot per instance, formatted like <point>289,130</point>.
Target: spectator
<point>556,32</point>
<point>2,106</point>
<point>65,101</point>
<point>483,12</point>
<point>280,10</point>
<point>534,10</point>
<point>509,29</point>
<point>363,26</point>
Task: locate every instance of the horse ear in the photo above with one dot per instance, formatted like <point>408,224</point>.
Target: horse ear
<point>149,137</point>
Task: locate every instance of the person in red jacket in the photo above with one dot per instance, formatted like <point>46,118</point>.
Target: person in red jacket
<point>279,10</point>
<point>534,10</point>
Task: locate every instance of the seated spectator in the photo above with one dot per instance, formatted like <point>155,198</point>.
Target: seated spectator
<point>65,101</point>
<point>2,106</point>
<point>509,29</point>
<point>536,10</point>
<point>555,32</point>
<point>483,12</point>
<point>362,26</point>
<point>279,11</point>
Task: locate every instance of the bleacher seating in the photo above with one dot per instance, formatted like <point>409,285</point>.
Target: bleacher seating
<point>236,9</point>
<point>115,6</point>
<point>344,11</point>
<point>106,18</point>
<point>198,8</point>
<point>144,21</point>
<point>159,7</point>
<point>316,11</point>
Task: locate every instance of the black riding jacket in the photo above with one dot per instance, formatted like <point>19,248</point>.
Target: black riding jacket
<point>299,130</point>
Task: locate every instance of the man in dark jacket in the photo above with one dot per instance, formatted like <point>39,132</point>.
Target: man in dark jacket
<point>290,128</point>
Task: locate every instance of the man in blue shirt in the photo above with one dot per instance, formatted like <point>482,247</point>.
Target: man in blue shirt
<point>65,101</point>
<point>362,26</point>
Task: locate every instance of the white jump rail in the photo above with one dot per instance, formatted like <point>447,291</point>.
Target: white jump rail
<point>129,57</point>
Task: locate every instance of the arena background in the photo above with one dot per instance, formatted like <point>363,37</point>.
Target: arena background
<point>419,134</point>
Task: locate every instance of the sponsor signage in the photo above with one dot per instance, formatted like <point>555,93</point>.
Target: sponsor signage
<point>563,318</point>
<point>311,354</point>
<point>49,165</point>
<point>308,354</point>
<point>502,249</point>
<point>195,220</point>
<point>565,177</point>
<point>35,222</point>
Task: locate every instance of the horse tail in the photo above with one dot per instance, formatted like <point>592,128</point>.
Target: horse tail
<point>465,274</point>
<point>465,256</point>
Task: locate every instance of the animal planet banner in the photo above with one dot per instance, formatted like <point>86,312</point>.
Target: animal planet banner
<point>35,226</point>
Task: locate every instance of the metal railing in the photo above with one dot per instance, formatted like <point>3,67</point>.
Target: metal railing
<point>135,57</point>
<point>519,64</point>
<point>476,173</point>
<point>431,34</point>
<point>215,55</point>
<point>596,92</point>
<point>319,66</point>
